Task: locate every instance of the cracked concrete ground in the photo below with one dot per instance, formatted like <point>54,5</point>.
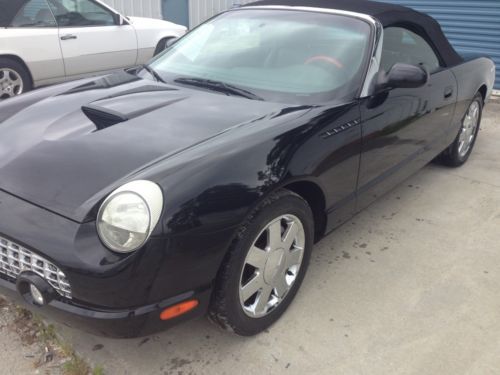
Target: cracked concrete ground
<point>409,286</point>
<point>28,346</point>
<point>16,357</point>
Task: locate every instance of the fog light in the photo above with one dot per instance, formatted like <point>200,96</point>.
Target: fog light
<point>37,295</point>
<point>35,290</point>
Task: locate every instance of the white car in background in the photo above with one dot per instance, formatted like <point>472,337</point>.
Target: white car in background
<point>49,41</point>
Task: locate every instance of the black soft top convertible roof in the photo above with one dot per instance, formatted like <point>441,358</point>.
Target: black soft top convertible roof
<point>388,15</point>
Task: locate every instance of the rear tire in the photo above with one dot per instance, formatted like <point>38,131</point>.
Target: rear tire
<point>265,265</point>
<point>459,151</point>
<point>14,78</point>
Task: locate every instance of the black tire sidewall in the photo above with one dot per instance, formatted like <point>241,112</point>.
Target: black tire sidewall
<point>233,315</point>
<point>454,155</point>
<point>20,69</point>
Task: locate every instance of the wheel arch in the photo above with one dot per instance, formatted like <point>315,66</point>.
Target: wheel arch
<point>309,190</point>
<point>165,36</point>
<point>159,43</point>
<point>20,61</point>
<point>483,90</point>
<point>313,194</point>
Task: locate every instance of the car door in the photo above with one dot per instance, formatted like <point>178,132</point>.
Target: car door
<point>401,125</point>
<point>91,38</point>
<point>33,36</point>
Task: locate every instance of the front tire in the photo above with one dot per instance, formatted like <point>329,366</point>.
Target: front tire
<point>265,265</point>
<point>14,78</point>
<point>459,151</point>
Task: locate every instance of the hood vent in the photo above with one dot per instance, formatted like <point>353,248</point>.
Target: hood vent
<point>102,117</point>
<point>111,111</point>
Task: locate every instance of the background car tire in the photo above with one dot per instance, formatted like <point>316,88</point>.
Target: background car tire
<point>161,46</point>
<point>453,156</point>
<point>226,307</point>
<point>14,69</point>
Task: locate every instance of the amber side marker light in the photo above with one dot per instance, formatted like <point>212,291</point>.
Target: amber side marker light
<point>179,309</point>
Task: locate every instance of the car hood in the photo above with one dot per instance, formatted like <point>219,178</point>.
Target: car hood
<point>69,145</point>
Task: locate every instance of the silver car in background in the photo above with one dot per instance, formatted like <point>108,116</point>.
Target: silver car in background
<point>49,41</point>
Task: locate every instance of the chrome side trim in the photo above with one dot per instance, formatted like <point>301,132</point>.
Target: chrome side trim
<point>340,128</point>
<point>362,16</point>
<point>374,67</point>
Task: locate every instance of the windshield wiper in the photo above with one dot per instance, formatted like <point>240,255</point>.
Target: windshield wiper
<point>153,72</point>
<point>218,86</point>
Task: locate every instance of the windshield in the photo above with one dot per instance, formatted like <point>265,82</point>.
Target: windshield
<point>278,55</point>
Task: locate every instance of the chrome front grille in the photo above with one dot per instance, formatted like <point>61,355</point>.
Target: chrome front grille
<point>15,259</point>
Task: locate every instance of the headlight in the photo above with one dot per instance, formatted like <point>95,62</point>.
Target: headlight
<point>129,215</point>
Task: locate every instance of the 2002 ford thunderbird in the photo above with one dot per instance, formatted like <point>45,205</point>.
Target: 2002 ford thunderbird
<point>199,183</point>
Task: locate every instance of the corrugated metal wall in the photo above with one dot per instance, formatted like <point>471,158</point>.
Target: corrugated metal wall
<point>471,26</point>
<point>201,10</point>
<point>138,8</point>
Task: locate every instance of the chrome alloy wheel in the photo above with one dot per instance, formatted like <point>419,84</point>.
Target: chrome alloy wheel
<point>11,83</point>
<point>271,266</point>
<point>469,129</point>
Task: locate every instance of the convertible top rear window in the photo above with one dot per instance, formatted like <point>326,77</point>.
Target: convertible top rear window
<point>280,55</point>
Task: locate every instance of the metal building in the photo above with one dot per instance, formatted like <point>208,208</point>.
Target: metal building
<point>138,8</point>
<point>201,10</point>
<point>193,12</point>
<point>185,12</point>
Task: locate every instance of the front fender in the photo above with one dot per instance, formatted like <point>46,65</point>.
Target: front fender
<point>210,188</point>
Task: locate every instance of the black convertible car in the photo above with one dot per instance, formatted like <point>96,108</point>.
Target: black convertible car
<point>200,182</point>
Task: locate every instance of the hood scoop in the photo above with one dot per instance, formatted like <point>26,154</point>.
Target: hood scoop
<point>103,118</point>
<point>112,111</point>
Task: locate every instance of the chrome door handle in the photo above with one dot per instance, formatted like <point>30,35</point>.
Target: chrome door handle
<point>68,37</point>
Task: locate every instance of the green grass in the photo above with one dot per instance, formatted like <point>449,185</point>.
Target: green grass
<point>48,337</point>
<point>98,370</point>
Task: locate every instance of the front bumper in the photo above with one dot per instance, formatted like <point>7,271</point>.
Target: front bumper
<point>112,294</point>
<point>141,321</point>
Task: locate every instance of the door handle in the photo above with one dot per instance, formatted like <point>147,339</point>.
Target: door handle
<point>68,37</point>
<point>448,92</point>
